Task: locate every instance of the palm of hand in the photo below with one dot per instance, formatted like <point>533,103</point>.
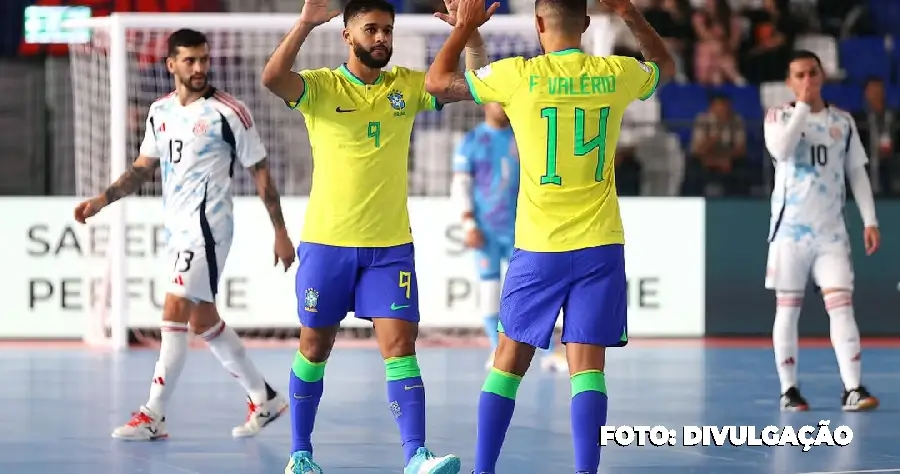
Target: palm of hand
<point>617,5</point>
<point>315,11</point>
<point>450,16</point>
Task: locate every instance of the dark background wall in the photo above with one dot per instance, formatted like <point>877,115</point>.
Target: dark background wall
<point>737,302</point>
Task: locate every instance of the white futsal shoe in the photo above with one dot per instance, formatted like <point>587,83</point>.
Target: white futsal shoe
<point>555,362</point>
<point>259,416</point>
<point>143,426</point>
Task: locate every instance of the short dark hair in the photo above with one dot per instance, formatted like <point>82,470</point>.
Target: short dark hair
<point>359,7</point>
<point>184,38</point>
<point>571,13</point>
<point>799,54</point>
<point>874,80</point>
<point>717,96</point>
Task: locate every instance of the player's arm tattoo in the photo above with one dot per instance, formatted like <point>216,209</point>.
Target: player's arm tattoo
<point>650,43</point>
<point>455,90</point>
<point>267,191</point>
<point>141,172</point>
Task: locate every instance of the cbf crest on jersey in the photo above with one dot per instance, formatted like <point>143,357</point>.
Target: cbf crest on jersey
<point>311,300</point>
<point>397,103</point>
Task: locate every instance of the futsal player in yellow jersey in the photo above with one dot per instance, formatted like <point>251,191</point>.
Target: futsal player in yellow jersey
<point>565,108</point>
<point>356,251</point>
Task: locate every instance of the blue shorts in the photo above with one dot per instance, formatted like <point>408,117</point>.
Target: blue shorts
<point>490,257</point>
<point>588,285</point>
<point>372,282</point>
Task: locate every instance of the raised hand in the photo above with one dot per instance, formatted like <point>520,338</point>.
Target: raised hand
<point>471,13</point>
<point>450,16</point>
<point>805,94</point>
<point>618,6</point>
<point>87,209</point>
<point>315,12</point>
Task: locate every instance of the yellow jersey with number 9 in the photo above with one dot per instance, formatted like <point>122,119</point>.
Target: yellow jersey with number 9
<point>360,137</point>
<point>566,109</point>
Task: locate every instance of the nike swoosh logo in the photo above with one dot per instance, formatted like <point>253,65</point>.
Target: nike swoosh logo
<point>410,387</point>
<point>343,111</point>
<point>301,397</point>
<point>395,306</point>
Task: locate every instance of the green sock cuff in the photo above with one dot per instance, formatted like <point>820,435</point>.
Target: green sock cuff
<point>399,368</point>
<point>588,381</point>
<point>502,383</point>
<point>307,371</point>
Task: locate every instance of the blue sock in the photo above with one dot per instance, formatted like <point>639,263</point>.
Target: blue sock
<point>588,411</point>
<point>495,412</point>
<point>406,398</point>
<point>306,387</point>
<point>490,329</point>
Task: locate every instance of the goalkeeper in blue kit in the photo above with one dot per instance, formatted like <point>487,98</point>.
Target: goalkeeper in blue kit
<point>485,188</point>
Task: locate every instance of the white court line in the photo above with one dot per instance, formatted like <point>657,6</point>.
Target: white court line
<point>852,472</point>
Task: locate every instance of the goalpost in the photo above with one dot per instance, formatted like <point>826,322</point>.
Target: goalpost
<point>119,72</point>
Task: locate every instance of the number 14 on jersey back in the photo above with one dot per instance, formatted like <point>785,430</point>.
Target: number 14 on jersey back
<point>582,148</point>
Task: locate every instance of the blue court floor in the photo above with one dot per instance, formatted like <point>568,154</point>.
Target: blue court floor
<point>57,408</point>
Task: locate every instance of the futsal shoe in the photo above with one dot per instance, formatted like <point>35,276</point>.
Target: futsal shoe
<point>301,463</point>
<point>144,426</point>
<point>791,400</point>
<point>858,399</point>
<point>555,362</point>
<point>259,416</point>
<point>425,462</point>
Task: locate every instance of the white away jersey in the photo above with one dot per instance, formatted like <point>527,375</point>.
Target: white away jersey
<point>197,145</point>
<point>811,159</point>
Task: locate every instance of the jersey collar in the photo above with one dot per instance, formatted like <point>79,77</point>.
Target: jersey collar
<point>566,51</point>
<point>827,104</point>
<point>352,77</point>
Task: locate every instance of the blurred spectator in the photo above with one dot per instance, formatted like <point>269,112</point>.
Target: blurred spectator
<point>718,32</point>
<point>639,122</point>
<point>771,39</point>
<point>878,129</point>
<point>628,172</point>
<point>840,18</point>
<point>718,145</point>
<point>661,161</point>
<point>672,20</point>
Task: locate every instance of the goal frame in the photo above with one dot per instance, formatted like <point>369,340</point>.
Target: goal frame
<point>116,26</point>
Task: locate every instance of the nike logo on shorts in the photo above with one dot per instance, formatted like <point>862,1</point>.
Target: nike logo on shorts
<point>301,397</point>
<point>395,306</point>
<point>410,387</point>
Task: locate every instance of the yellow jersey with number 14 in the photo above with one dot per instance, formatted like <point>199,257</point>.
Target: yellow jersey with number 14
<point>360,146</point>
<point>566,109</point>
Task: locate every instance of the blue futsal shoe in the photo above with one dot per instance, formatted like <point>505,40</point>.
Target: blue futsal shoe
<point>301,463</point>
<point>425,462</point>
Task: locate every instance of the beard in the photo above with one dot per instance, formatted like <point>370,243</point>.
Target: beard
<point>189,84</point>
<point>365,56</point>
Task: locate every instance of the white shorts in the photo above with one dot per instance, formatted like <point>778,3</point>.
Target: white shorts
<point>790,264</point>
<point>196,271</point>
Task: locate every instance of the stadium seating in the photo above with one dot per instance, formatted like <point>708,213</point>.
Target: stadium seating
<point>865,57</point>
<point>885,14</point>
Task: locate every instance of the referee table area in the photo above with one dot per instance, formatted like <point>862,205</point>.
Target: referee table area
<point>60,404</point>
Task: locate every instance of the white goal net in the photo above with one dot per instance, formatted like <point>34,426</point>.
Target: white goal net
<point>121,71</point>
